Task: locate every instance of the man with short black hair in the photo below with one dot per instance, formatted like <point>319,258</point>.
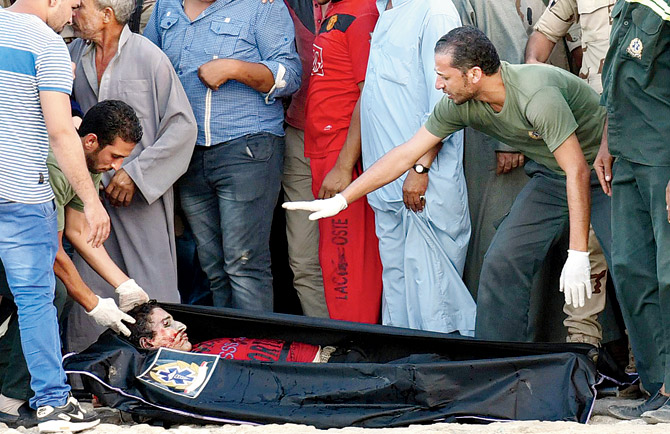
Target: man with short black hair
<point>554,119</point>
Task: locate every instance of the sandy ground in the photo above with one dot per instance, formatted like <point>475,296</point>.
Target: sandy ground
<point>600,423</point>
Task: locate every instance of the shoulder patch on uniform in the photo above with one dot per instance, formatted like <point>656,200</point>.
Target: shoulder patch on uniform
<point>339,22</point>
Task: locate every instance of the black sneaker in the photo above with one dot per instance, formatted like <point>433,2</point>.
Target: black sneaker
<point>69,417</point>
<point>26,418</point>
<point>628,413</point>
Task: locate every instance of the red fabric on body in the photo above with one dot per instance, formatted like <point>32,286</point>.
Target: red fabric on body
<point>262,350</point>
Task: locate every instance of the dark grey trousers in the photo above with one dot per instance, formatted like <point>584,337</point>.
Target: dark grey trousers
<point>641,265</point>
<point>536,221</point>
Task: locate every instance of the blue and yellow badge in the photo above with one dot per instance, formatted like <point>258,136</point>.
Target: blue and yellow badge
<point>635,48</point>
<point>534,135</point>
<point>180,372</point>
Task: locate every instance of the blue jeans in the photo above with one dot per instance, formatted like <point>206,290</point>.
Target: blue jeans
<point>28,245</point>
<point>228,195</point>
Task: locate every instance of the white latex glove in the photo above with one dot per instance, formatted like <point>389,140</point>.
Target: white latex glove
<point>321,207</point>
<point>107,314</point>
<point>130,295</point>
<point>576,278</point>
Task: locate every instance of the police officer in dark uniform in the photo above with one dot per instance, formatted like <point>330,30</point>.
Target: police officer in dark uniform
<point>637,96</point>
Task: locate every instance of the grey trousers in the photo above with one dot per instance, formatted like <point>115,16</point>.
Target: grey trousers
<point>536,221</point>
<point>302,234</point>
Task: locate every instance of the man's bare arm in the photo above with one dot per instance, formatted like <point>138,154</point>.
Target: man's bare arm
<point>217,72</point>
<point>66,272</point>
<point>76,229</point>
<point>386,169</point>
<point>393,164</point>
<point>339,177</point>
<point>603,163</point>
<point>538,48</point>
<point>571,159</point>
<point>68,151</point>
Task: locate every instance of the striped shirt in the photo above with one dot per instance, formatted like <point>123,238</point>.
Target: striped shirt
<point>32,59</point>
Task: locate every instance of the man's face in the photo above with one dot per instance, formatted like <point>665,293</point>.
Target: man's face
<point>61,13</point>
<point>452,81</point>
<point>88,20</point>
<point>110,157</point>
<point>168,333</point>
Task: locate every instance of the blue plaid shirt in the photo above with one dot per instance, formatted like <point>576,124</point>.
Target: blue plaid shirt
<point>246,30</point>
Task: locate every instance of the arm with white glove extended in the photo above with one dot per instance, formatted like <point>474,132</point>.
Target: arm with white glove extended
<point>387,169</point>
<point>575,281</point>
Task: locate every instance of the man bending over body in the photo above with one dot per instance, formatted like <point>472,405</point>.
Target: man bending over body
<point>555,120</point>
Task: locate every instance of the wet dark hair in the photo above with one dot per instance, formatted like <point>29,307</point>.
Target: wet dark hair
<point>111,119</point>
<point>142,326</point>
<point>469,47</point>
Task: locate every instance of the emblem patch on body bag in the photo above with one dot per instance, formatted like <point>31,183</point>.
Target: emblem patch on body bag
<point>635,48</point>
<point>179,372</point>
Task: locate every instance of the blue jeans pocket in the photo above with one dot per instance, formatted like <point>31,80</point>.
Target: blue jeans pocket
<point>48,210</point>
<point>247,168</point>
<point>259,147</point>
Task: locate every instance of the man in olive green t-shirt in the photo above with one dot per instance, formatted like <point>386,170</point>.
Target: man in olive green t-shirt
<point>555,120</point>
<point>108,132</point>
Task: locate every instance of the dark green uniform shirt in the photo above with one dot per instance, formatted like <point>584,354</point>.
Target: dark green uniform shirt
<point>543,106</point>
<point>636,81</point>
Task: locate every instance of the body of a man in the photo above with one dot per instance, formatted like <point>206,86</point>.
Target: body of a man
<point>550,119</point>
<point>35,81</point>
<point>155,328</point>
<point>139,196</point>
<point>235,59</point>
<point>348,246</point>
<point>422,218</point>
<point>635,92</point>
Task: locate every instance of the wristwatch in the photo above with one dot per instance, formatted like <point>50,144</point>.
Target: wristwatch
<point>420,168</point>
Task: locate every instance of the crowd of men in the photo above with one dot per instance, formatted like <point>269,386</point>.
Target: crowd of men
<point>448,169</point>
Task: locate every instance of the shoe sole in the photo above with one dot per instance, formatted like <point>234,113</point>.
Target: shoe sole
<point>651,420</point>
<point>62,425</point>
<point>622,417</point>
